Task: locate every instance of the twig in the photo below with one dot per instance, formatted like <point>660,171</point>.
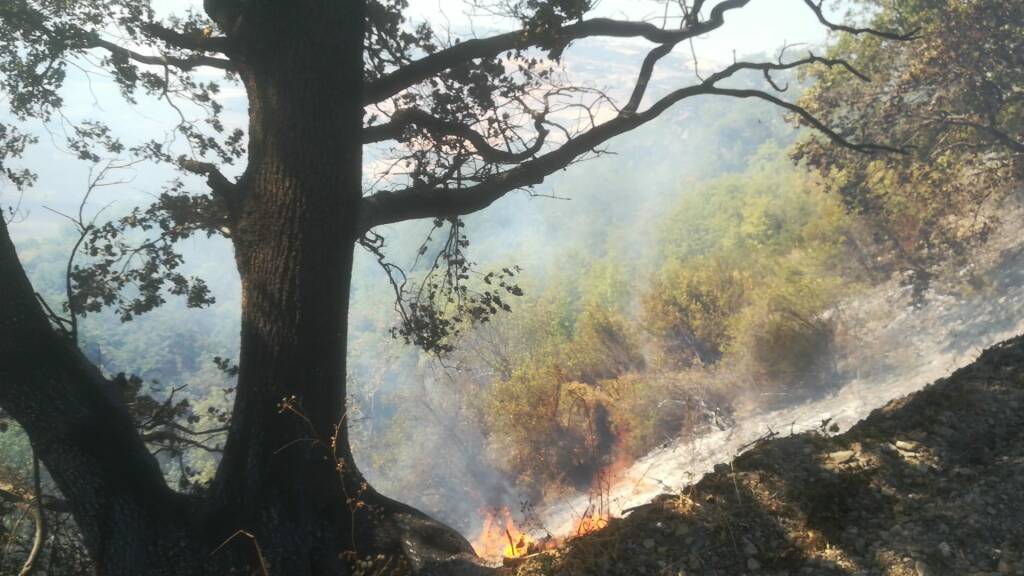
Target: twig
<point>37,512</point>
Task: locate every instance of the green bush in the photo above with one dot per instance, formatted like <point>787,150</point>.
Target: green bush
<point>652,408</point>
<point>548,431</point>
<point>689,309</point>
<point>784,341</point>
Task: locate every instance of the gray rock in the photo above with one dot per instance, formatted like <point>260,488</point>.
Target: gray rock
<point>907,446</point>
<point>748,548</point>
<point>841,457</point>
<point>945,550</point>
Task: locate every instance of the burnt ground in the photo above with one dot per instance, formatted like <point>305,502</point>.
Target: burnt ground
<point>930,484</point>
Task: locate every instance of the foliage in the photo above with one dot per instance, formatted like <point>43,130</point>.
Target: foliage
<point>550,431</point>
<point>451,296</point>
<point>654,407</point>
<point>690,306</point>
<point>732,299</point>
<point>753,260</point>
<point>951,99</point>
<point>109,278</point>
<point>549,417</point>
<point>784,340</point>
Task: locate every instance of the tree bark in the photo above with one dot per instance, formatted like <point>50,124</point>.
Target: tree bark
<point>288,477</point>
<point>81,430</point>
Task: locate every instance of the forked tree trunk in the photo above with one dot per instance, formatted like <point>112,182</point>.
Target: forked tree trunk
<point>288,499</point>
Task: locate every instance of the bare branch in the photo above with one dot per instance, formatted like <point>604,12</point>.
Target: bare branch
<point>807,117</point>
<point>426,200</point>
<point>407,117</point>
<point>767,67</point>
<point>997,134</point>
<point>646,71</point>
<point>428,66</point>
<point>816,7</point>
<point>169,437</point>
<point>30,565</point>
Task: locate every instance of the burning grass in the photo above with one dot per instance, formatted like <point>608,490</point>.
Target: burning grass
<point>502,539</point>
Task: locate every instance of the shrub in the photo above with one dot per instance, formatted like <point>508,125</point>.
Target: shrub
<point>549,431</point>
<point>785,340</point>
<point>690,307</point>
<point>651,409</point>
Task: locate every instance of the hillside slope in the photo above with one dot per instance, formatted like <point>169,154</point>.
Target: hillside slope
<point>929,484</point>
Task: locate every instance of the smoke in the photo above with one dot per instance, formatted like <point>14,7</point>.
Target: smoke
<point>419,432</point>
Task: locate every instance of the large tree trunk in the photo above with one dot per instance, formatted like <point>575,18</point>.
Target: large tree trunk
<point>288,476</point>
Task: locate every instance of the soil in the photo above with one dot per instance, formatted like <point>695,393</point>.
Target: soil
<point>929,484</point>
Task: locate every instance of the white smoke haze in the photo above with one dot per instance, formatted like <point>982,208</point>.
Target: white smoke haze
<point>889,347</point>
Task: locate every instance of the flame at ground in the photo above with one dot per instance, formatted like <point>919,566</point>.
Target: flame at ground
<point>592,522</point>
<point>500,538</point>
<point>599,507</point>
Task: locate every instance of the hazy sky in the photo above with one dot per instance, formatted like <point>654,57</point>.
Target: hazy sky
<point>760,26</point>
<point>763,26</point>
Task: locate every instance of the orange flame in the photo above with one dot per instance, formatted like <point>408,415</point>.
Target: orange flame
<point>591,522</point>
<point>500,538</point>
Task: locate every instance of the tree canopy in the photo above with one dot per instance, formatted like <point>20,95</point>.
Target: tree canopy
<point>952,99</point>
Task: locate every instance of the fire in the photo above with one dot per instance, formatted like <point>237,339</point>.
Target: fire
<point>591,521</point>
<point>599,509</point>
<point>500,538</point>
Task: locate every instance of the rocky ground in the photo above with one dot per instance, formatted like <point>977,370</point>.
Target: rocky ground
<point>931,483</point>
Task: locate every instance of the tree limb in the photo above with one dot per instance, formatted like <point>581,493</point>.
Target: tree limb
<point>169,437</point>
<point>40,519</point>
<point>34,21</point>
<point>428,66</point>
<point>15,494</point>
<point>223,188</point>
<point>427,201</point>
<point>816,7</point>
<point>185,64</point>
<point>422,201</point>
<point>998,135</point>
<point>217,181</point>
<point>407,117</point>
<point>809,118</point>
<point>74,418</point>
<point>196,41</point>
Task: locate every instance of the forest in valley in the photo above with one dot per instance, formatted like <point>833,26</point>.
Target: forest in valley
<point>478,318</point>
